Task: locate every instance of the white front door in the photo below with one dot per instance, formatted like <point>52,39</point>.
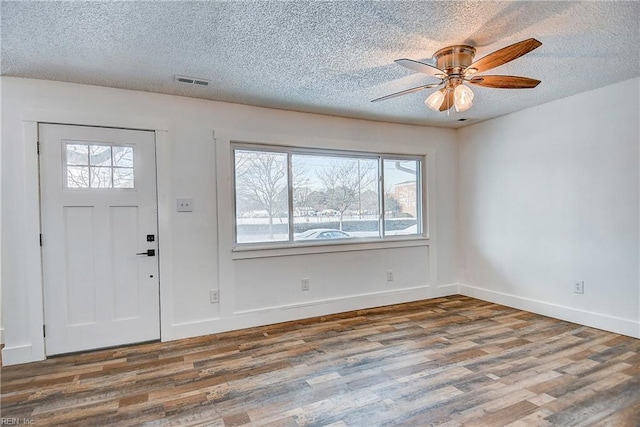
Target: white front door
<point>99,237</point>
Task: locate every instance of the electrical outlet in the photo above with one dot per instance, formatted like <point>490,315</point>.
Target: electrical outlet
<point>389,275</point>
<point>305,284</point>
<point>184,205</point>
<point>214,296</point>
<point>578,287</point>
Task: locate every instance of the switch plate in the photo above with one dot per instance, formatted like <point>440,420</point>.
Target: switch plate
<point>214,296</point>
<point>389,275</point>
<point>184,205</point>
<point>578,287</point>
<point>305,284</point>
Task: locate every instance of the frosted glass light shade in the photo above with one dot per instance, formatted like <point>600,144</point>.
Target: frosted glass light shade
<point>462,98</point>
<point>434,101</point>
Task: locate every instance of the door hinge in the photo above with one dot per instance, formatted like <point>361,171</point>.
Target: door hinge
<point>38,147</point>
<point>40,239</point>
<point>44,331</point>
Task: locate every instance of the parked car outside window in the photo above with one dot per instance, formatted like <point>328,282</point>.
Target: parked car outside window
<point>322,233</point>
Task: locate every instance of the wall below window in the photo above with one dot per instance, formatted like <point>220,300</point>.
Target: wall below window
<point>331,276</point>
<point>550,196</point>
<point>195,248</point>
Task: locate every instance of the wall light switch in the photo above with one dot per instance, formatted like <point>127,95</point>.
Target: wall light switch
<point>184,205</point>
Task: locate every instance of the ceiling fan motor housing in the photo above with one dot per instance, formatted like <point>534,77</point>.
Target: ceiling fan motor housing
<point>454,59</point>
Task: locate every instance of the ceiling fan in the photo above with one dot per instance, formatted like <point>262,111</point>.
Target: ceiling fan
<point>455,66</point>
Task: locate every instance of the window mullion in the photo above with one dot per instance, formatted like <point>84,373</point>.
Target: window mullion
<point>419,198</point>
<point>290,194</point>
<point>112,171</point>
<point>381,196</point>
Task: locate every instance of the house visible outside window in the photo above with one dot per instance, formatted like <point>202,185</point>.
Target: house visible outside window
<point>301,195</point>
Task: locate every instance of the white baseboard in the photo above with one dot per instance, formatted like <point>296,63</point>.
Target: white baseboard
<point>286,313</point>
<point>16,355</point>
<point>446,290</point>
<point>588,318</point>
<point>271,315</point>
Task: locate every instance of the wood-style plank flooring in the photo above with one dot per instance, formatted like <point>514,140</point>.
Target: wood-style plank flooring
<point>453,361</point>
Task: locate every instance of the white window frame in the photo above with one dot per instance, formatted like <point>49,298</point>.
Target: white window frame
<point>391,240</point>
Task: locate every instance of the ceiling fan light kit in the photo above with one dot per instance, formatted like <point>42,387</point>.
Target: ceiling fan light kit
<point>434,101</point>
<point>462,98</point>
<point>455,66</point>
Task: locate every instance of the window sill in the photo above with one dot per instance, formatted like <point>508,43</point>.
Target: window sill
<point>306,248</point>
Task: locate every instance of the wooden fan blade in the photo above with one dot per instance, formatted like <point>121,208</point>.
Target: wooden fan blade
<point>504,55</point>
<point>404,92</point>
<point>420,67</point>
<point>505,82</point>
<point>448,100</point>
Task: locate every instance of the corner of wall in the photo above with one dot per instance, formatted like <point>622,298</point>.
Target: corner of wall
<point>446,290</point>
<point>458,204</point>
<point>592,319</point>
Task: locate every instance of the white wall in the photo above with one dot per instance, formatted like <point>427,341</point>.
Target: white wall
<point>195,248</point>
<point>549,196</point>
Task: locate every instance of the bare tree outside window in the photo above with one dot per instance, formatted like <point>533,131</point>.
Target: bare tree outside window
<point>77,176</point>
<point>302,187</point>
<point>344,181</point>
<point>261,186</point>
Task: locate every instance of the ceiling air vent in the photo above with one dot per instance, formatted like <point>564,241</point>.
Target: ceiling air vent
<point>192,81</point>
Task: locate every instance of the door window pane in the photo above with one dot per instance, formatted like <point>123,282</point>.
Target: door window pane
<point>402,198</point>
<point>78,176</point>
<point>122,177</point>
<point>101,178</point>
<point>261,196</point>
<point>123,156</point>
<point>77,154</point>
<point>100,155</point>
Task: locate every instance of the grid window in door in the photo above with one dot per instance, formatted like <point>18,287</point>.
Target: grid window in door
<point>98,166</point>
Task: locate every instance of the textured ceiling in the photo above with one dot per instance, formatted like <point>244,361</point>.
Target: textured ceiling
<point>321,57</point>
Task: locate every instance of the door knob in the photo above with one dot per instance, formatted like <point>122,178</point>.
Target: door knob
<point>149,252</point>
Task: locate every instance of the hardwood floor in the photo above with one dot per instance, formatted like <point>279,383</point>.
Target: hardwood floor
<point>453,361</point>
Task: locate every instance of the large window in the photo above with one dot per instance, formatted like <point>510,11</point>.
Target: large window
<point>297,195</point>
